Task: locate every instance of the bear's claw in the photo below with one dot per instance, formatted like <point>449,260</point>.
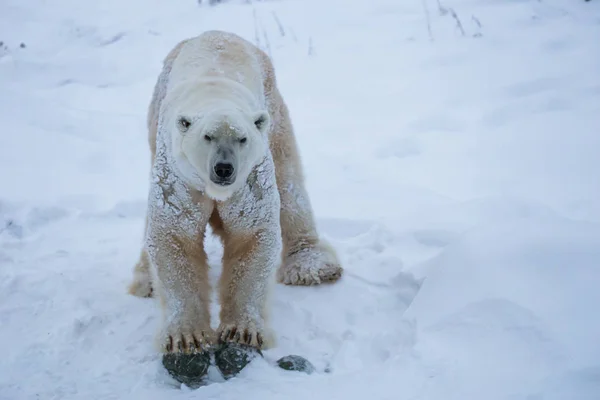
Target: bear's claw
<point>236,334</point>
<point>187,343</point>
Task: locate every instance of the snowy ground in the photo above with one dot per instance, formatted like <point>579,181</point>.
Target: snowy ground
<point>456,172</point>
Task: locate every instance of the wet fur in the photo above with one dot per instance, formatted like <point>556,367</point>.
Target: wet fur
<point>302,257</point>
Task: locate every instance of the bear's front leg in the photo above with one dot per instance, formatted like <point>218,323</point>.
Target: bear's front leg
<point>248,274</point>
<point>251,236</point>
<point>180,272</point>
<point>308,259</point>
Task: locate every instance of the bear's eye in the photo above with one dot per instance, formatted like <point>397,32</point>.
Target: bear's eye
<point>243,140</point>
<point>207,138</point>
<point>184,124</point>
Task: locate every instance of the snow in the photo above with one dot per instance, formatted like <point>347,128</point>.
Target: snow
<point>456,175</point>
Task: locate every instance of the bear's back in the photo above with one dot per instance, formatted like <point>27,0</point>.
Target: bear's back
<point>217,54</point>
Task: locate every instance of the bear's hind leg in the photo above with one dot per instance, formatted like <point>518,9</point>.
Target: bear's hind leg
<point>141,285</point>
<point>307,259</point>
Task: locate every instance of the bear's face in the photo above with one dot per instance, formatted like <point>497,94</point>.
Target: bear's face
<point>216,151</point>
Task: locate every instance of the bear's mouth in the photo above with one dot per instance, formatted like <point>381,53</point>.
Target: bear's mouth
<point>222,182</point>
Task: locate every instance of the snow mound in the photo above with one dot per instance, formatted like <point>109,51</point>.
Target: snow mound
<point>507,302</point>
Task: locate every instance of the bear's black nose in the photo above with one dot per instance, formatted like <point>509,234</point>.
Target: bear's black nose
<point>224,170</point>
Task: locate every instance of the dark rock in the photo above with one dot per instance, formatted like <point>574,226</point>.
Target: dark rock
<point>231,358</point>
<point>296,363</point>
<point>22,45</point>
<point>187,368</point>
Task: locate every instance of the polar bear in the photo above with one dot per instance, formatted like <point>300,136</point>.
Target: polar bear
<point>224,154</point>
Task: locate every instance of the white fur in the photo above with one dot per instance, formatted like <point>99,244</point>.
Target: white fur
<point>208,94</point>
<point>216,101</point>
<point>201,102</point>
<point>206,108</point>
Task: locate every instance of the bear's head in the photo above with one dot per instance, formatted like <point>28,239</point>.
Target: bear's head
<point>216,150</point>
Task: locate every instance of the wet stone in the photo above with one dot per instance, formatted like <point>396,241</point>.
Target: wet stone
<point>296,363</point>
<point>189,369</point>
<point>231,358</point>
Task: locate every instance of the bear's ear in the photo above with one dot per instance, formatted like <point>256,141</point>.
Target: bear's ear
<point>262,121</point>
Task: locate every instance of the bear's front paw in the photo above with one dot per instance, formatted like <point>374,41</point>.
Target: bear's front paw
<point>246,333</point>
<point>310,266</point>
<point>187,339</point>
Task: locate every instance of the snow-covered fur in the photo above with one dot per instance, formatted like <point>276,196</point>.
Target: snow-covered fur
<point>216,103</point>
